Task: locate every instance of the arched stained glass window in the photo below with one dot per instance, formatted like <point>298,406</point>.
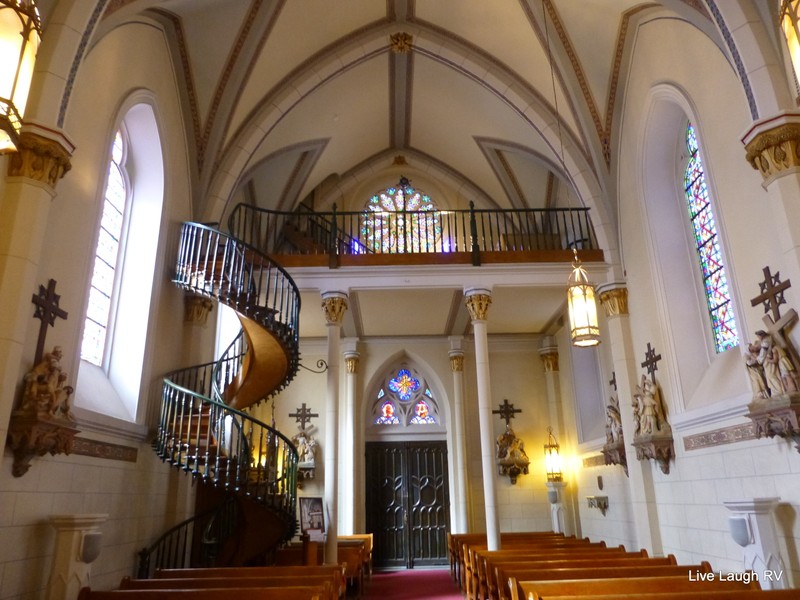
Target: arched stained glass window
<point>401,219</point>
<point>704,228</point>
<point>405,399</point>
<point>104,276</point>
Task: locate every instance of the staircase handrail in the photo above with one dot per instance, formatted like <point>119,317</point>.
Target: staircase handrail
<point>241,453</point>
<point>175,549</point>
<point>215,264</point>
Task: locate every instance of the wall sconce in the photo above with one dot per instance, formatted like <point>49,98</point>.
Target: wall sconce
<point>583,326</point>
<point>20,35</point>
<point>598,502</point>
<point>552,459</point>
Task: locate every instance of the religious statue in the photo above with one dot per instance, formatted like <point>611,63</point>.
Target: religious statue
<point>614,448</point>
<point>651,417</point>
<point>613,422</point>
<point>45,392</point>
<point>512,459</point>
<point>306,448</point>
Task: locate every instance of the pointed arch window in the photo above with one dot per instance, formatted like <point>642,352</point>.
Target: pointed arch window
<point>405,399</point>
<point>401,219</point>
<point>104,272</point>
<point>707,245</point>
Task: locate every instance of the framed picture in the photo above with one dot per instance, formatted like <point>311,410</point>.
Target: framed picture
<point>312,517</point>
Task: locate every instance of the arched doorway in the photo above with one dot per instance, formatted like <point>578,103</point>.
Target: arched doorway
<point>407,494</point>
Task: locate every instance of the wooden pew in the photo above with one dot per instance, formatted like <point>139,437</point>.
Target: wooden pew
<point>367,538</point>
<point>515,575</point>
<point>352,556</point>
<point>541,590</point>
<point>467,549</point>
<point>482,574</point>
<point>454,541</point>
<point>335,572</point>
<point>230,593</point>
<point>331,584</point>
<point>696,595</point>
<point>489,588</point>
<point>488,563</point>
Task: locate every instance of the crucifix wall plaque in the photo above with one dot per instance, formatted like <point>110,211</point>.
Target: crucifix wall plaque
<point>652,434</point>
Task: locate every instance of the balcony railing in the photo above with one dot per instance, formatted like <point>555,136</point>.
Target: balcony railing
<point>473,231</point>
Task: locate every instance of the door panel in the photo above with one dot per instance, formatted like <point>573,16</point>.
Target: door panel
<point>407,503</point>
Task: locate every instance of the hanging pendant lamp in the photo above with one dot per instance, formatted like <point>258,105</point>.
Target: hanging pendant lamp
<point>583,326</point>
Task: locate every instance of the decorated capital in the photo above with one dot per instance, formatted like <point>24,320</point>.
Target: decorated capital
<point>351,362</point>
<point>456,361</point>
<point>614,301</point>
<point>772,146</point>
<point>478,302</point>
<point>334,305</point>
<point>40,158</point>
<point>550,360</point>
<point>196,309</point>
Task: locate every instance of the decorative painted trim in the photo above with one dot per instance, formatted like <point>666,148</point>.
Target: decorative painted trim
<point>78,59</point>
<point>594,461</point>
<point>98,449</point>
<point>719,437</point>
<point>737,59</point>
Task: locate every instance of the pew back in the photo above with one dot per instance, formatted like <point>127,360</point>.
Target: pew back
<point>228,593</point>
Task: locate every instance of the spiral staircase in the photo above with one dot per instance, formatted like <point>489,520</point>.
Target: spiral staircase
<point>204,427</point>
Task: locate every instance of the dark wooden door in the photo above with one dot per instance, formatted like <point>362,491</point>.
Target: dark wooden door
<point>407,503</point>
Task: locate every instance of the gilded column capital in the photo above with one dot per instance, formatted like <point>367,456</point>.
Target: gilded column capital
<point>774,150</point>
<point>334,305</point>
<point>196,309</point>
<point>40,158</point>
<point>550,360</point>
<point>351,362</point>
<point>615,301</point>
<point>478,302</point>
<point>456,361</point>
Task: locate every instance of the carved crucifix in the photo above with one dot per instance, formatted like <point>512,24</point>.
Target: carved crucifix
<point>506,411</point>
<point>303,416</point>
<point>651,361</point>
<point>47,310</point>
<point>613,381</point>
<point>771,296</point>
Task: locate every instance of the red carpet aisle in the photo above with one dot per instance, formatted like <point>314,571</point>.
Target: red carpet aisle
<point>414,584</point>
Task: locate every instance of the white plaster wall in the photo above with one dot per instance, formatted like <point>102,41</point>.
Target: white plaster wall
<point>689,509</point>
<point>143,498</point>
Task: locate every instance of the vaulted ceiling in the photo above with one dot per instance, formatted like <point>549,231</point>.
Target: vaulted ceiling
<point>508,103</point>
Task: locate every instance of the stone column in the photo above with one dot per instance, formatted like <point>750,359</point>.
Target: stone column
<point>614,298</point>
<point>42,159</point>
<point>752,526</point>
<point>772,147</point>
<point>347,515</point>
<point>78,543</point>
<point>459,441</point>
<point>333,304</point>
<point>561,512</point>
<point>478,301</point>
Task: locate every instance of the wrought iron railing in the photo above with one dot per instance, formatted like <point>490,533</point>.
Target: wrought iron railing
<point>225,446</point>
<point>194,542</point>
<point>413,232</point>
<point>197,431</point>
